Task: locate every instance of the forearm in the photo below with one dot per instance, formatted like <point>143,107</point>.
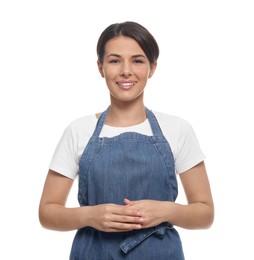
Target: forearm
<point>192,216</point>
<point>103,217</point>
<point>60,218</point>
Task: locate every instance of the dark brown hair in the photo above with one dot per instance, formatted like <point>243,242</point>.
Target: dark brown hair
<point>140,34</point>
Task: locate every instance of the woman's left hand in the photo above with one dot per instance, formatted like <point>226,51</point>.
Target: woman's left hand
<point>198,213</point>
<point>152,212</point>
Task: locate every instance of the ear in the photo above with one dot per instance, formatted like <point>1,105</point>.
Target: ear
<point>99,64</point>
<point>153,68</point>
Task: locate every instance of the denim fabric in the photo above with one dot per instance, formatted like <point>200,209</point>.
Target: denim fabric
<point>133,166</point>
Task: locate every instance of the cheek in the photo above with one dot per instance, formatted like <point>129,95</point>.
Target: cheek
<point>143,73</point>
<point>110,73</point>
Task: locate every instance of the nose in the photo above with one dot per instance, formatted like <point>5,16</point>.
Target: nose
<point>126,69</point>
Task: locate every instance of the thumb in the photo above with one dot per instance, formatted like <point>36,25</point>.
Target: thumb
<point>127,202</point>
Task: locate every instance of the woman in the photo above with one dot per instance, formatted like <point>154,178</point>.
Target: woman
<point>127,158</point>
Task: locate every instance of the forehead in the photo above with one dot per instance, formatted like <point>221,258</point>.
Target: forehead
<point>123,45</point>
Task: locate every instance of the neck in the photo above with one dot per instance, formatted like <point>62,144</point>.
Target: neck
<point>124,114</point>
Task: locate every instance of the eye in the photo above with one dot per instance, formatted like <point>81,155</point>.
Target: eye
<point>138,61</point>
<point>114,61</point>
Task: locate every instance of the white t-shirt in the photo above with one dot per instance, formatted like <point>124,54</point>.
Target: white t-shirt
<point>178,132</point>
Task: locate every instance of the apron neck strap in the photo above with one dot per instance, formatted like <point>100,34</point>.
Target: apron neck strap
<point>153,123</point>
<point>100,123</point>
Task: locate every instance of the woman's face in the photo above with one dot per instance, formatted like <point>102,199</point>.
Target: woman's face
<point>125,68</point>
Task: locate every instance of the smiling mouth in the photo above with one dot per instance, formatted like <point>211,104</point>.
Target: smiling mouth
<point>125,85</point>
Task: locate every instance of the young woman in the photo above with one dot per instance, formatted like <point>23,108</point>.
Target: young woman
<point>127,159</point>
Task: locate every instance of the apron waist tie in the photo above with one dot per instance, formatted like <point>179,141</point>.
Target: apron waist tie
<point>133,240</point>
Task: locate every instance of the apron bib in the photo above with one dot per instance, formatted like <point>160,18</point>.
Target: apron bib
<point>132,166</point>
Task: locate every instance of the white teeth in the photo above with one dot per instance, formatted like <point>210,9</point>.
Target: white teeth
<point>126,84</point>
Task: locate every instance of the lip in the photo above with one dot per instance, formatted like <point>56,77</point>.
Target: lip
<point>126,85</point>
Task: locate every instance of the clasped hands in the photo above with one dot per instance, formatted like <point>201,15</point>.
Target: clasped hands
<point>133,215</point>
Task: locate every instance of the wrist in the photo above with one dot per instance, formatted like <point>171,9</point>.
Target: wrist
<point>86,216</point>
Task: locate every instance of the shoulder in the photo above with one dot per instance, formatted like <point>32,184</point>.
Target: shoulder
<point>83,125</point>
<point>182,139</point>
<point>177,130</point>
<point>80,129</point>
<point>172,123</point>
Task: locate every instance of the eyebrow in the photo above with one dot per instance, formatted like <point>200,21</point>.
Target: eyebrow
<point>133,56</point>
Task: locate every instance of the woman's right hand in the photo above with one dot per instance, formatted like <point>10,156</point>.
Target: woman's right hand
<point>114,218</point>
<point>54,214</point>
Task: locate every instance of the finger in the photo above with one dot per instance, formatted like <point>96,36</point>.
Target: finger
<point>131,202</point>
<point>135,206</point>
<point>127,219</point>
<point>125,211</point>
<point>127,202</point>
<point>123,227</point>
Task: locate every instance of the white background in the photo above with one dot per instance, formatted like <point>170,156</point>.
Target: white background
<point>48,77</point>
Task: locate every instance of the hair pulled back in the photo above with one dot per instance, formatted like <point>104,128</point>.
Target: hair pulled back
<point>133,30</point>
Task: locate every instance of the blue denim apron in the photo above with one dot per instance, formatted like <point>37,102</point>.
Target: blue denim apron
<point>132,166</point>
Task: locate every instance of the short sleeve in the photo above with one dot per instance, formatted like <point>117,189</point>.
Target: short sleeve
<point>64,160</point>
<point>188,151</point>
